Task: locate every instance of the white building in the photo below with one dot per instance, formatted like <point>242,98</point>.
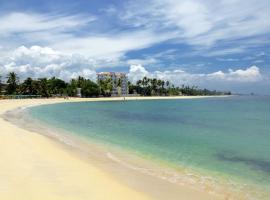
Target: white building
<point>119,82</point>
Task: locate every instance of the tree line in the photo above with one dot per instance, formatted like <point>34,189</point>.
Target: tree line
<point>45,87</point>
<point>157,87</point>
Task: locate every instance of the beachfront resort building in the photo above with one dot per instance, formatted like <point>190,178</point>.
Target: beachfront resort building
<point>119,82</point>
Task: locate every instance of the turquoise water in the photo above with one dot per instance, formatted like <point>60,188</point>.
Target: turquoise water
<point>227,137</point>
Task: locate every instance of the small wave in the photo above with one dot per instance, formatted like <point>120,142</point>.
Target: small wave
<point>230,189</point>
<point>189,178</point>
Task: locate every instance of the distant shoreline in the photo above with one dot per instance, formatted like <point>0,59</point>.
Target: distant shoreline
<point>120,98</point>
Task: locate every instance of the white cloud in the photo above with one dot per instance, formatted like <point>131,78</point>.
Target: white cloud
<point>110,46</point>
<point>251,74</point>
<point>137,72</point>
<point>146,61</point>
<point>201,22</point>
<point>224,51</point>
<point>216,80</point>
<point>228,59</point>
<point>39,62</point>
<point>195,22</point>
<point>63,34</point>
<point>258,61</point>
<point>18,22</point>
<point>67,45</point>
<point>24,28</point>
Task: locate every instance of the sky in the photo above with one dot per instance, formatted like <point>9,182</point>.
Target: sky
<point>222,45</point>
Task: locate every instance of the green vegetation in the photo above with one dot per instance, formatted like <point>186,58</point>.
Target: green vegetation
<point>106,87</point>
<point>49,87</point>
<point>12,83</point>
<point>54,87</point>
<point>89,88</point>
<point>152,87</point>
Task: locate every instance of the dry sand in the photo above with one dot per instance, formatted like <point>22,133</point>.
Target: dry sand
<point>33,167</point>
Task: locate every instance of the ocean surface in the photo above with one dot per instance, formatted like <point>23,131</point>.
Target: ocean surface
<point>227,139</point>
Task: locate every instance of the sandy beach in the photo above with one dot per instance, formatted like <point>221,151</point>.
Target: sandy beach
<point>34,167</point>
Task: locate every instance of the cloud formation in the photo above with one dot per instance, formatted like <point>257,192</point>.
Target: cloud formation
<point>39,62</point>
<point>41,22</point>
<point>172,36</point>
<point>202,23</point>
<point>64,33</point>
<point>250,74</point>
<point>211,80</point>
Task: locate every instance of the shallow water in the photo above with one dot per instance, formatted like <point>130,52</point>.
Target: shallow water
<point>227,138</point>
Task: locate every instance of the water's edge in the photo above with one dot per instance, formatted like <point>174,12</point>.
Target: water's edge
<point>108,157</point>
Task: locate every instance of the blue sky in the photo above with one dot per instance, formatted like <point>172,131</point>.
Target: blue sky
<point>214,44</point>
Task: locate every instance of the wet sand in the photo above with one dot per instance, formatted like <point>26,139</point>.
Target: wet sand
<point>34,166</point>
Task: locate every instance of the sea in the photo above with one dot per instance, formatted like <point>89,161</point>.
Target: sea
<point>223,142</point>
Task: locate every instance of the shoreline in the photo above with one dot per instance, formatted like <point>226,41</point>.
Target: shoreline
<point>130,190</point>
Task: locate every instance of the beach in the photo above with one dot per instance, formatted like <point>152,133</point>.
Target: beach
<point>33,166</point>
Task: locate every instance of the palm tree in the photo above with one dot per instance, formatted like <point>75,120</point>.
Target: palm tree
<point>154,84</point>
<point>89,88</point>
<point>144,81</point>
<point>80,81</point>
<point>167,84</point>
<point>160,88</point>
<point>139,83</point>
<point>56,86</point>
<point>12,82</point>
<point>106,86</point>
<point>146,86</point>
<point>27,87</point>
<point>43,87</point>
